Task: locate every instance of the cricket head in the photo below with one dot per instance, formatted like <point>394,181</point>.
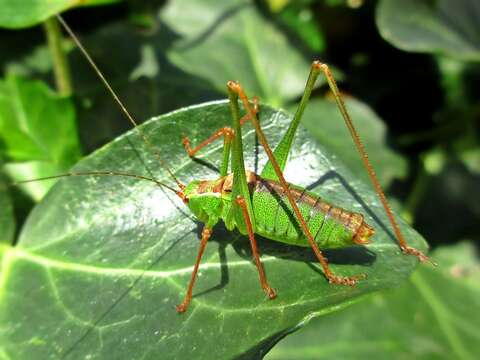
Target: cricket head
<point>204,198</point>
<point>363,234</point>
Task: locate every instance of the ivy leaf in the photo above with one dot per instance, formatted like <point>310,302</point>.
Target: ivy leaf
<point>236,42</point>
<point>25,13</point>
<point>442,26</point>
<point>423,319</point>
<point>38,131</point>
<point>106,259</point>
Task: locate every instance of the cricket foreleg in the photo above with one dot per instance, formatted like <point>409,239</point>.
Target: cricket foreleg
<point>235,87</point>
<point>363,155</point>
<point>206,233</point>
<point>226,132</point>
<point>261,272</point>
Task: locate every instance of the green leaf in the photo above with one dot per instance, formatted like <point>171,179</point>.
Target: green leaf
<point>433,316</point>
<point>106,259</point>
<point>325,123</point>
<point>440,26</point>
<point>38,131</point>
<point>24,13</point>
<point>236,42</point>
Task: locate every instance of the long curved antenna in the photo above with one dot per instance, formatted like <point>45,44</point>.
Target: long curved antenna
<point>96,173</point>
<point>117,99</point>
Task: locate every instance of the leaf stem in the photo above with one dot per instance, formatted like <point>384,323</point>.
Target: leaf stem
<point>416,195</point>
<point>61,67</point>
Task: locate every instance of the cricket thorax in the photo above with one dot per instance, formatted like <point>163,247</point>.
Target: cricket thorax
<point>210,200</point>
<point>222,186</point>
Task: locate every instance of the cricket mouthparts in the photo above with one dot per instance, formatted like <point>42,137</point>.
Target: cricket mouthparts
<point>182,196</point>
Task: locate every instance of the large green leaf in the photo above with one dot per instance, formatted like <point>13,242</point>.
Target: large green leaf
<point>38,131</point>
<point>24,13</point>
<point>105,260</point>
<point>234,41</point>
<point>441,26</point>
<point>433,316</point>
<point>325,123</point>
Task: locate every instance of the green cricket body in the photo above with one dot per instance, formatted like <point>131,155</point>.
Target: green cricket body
<point>331,226</point>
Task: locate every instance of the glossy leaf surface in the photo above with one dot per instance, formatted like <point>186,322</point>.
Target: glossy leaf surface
<point>106,259</point>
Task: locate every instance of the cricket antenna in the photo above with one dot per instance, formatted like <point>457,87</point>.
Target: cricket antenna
<point>98,173</point>
<point>117,99</point>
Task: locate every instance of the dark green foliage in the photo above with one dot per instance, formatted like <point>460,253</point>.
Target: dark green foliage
<point>7,220</point>
<point>19,14</point>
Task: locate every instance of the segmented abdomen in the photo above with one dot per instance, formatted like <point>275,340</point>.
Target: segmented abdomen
<point>330,226</point>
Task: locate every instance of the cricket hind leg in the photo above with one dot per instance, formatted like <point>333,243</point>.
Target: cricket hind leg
<point>206,233</point>
<point>253,243</point>
<point>366,162</point>
<point>333,279</point>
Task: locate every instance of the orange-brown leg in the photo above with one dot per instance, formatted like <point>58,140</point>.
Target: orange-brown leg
<point>226,132</point>
<point>261,272</point>
<point>368,166</point>
<point>352,280</point>
<point>206,233</point>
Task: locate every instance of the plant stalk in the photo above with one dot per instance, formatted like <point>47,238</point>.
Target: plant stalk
<point>61,67</point>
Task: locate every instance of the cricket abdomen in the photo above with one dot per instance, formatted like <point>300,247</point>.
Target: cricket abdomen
<point>330,226</point>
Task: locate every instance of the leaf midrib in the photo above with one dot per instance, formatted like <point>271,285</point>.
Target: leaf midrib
<point>11,254</point>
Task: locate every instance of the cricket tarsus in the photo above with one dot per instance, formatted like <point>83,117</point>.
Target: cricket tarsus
<point>118,101</point>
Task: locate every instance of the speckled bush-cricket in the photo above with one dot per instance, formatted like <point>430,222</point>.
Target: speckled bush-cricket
<point>264,204</point>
